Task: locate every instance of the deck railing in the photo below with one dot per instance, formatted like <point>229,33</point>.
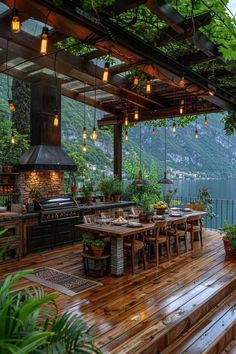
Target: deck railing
<point>224,209</point>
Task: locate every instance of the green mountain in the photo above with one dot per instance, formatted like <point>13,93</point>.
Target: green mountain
<point>212,155</point>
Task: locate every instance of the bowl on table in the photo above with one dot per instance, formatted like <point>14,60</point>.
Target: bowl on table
<point>2,209</point>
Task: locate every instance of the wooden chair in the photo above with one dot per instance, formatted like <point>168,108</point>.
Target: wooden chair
<point>178,231</point>
<point>90,218</point>
<point>133,246</point>
<point>159,237</point>
<point>135,211</point>
<point>195,227</point>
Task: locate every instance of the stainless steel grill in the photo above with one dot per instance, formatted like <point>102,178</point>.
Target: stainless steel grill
<point>55,209</point>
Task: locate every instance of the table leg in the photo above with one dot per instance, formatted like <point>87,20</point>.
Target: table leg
<point>117,256</point>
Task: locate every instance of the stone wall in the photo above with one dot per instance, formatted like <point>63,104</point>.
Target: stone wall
<point>48,183</point>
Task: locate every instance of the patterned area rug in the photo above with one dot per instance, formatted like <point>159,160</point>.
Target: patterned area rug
<point>65,283</point>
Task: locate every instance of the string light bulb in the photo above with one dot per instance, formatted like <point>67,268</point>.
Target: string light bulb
<point>196,134</point>
<point>11,106</point>
<point>94,134</point>
<point>211,93</point>
<point>136,113</point>
<point>44,41</point>
<point>182,82</point>
<point>126,121</point>
<point>136,80</point>
<point>105,75</point>
<point>126,135</point>
<point>15,22</point>
<point>13,140</point>
<point>181,109</point>
<point>84,133</point>
<point>206,120</point>
<point>148,87</point>
<point>56,120</point>
<point>84,148</point>
<point>174,128</point>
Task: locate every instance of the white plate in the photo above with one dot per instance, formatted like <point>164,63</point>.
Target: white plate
<point>175,214</point>
<point>103,221</point>
<point>3,209</point>
<point>175,209</point>
<point>187,210</point>
<point>119,223</point>
<point>159,217</point>
<point>134,224</point>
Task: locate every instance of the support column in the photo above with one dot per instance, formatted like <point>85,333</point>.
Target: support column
<point>118,150</point>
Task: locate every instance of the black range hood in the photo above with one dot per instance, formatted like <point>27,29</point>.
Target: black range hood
<point>45,152</point>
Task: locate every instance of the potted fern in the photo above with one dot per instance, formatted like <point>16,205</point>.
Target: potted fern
<point>97,247</point>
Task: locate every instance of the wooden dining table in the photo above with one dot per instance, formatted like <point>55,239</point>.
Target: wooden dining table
<point>117,233</point>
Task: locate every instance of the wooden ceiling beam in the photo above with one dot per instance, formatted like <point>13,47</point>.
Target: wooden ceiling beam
<point>162,113</point>
<point>194,58</point>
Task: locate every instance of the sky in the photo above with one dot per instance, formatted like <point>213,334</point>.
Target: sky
<point>232,6</point>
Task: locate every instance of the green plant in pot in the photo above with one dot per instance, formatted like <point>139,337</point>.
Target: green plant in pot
<point>229,238</point>
<point>106,187</point>
<point>117,189</point>
<point>88,238</point>
<point>87,191</point>
<point>97,247</point>
<point>145,202</point>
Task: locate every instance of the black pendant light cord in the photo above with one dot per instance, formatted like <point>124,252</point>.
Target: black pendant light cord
<point>165,151</point>
<point>7,71</point>
<point>95,93</point>
<point>56,81</point>
<point>84,103</point>
<point>140,147</point>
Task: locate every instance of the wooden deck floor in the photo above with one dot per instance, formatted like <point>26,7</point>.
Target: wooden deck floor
<point>130,310</point>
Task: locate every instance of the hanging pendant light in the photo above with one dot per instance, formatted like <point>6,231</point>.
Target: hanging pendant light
<point>196,134</point>
<point>165,180</point>
<point>126,135</point>
<point>136,80</point>
<point>56,120</point>
<point>84,132</point>
<point>148,87</point>
<point>15,21</point>
<point>182,82</point>
<point>174,128</point>
<point>154,131</point>
<point>93,135</point>
<point>13,140</point>
<point>84,148</point>
<point>181,109</point>
<point>126,121</point>
<point>136,113</point>
<point>139,181</point>
<point>206,120</point>
<point>56,115</point>
<point>105,75</point>
<point>44,41</point>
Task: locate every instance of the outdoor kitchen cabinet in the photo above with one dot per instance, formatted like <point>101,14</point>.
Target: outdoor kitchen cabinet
<point>11,241</point>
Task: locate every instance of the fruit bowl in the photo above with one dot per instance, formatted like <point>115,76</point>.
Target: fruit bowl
<point>160,208</point>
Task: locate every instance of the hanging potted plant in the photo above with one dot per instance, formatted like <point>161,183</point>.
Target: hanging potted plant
<point>97,247</point>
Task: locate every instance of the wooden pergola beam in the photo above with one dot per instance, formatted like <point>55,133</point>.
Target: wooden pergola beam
<point>162,113</point>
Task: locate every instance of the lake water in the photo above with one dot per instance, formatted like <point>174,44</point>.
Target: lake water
<point>218,188</point>
<point>223,193</point>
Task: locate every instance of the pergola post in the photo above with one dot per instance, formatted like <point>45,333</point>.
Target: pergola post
<point>118,151</point>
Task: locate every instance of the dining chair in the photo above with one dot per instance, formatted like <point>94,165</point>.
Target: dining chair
<point>158,237</point>
<point>195,227</point>
<point>90,218</point>
<point>133,246</point>
<point>179,230</point>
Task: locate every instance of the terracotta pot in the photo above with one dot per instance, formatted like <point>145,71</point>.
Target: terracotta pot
<point>97,251</point>
<point>8,168</point>
<point>160,211</point>
<point>74,189</point>
<point>228,250</point>
<point>145,217</point>
<point>107,198</point>
<point>116,198</point>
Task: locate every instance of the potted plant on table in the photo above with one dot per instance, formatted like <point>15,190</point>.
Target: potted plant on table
<point>229,239</point>
<point>97,247</point>
<point>145,203</point>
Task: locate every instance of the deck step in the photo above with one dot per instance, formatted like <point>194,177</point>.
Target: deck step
<point>166,331</point>
<point>212,333</point>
